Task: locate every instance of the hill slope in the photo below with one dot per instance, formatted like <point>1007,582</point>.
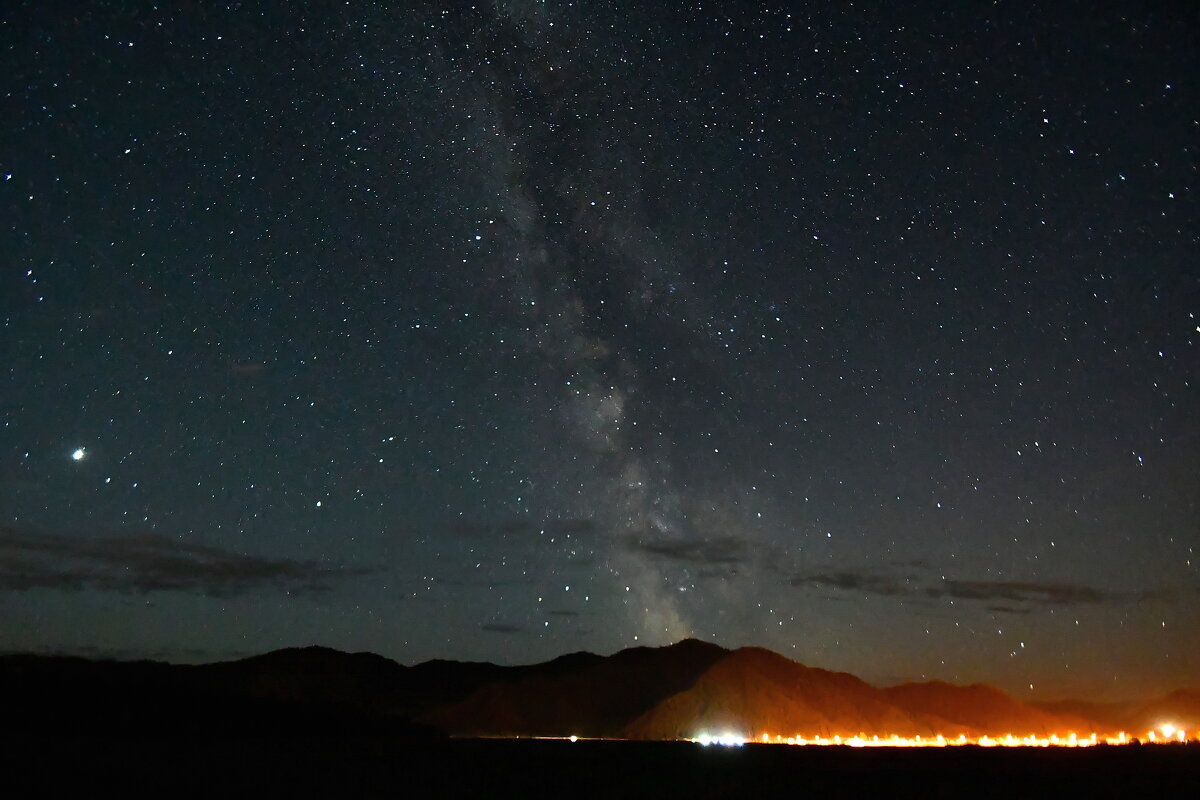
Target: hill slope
<point>645,693</point>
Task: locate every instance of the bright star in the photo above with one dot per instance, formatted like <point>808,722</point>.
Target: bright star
<point>79,454</point>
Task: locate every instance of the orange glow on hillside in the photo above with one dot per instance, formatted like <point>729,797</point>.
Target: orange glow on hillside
<point>1168,734</point>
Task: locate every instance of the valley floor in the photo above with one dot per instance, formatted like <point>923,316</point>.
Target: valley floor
<point>354,767</point>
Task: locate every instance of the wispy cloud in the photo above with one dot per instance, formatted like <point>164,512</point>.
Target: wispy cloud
<point>725,550</point>
<point>142,563</point>
<point>1050,594</point>
<point>854,582</point>
<point>1010,597</point>
<point>187,655</point>
<point>1009,610</point>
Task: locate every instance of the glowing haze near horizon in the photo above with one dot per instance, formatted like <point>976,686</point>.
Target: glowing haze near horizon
<point>868,336</point>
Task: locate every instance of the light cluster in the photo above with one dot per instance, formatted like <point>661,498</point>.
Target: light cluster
<point>726,739</point>
<point>1166,734</point>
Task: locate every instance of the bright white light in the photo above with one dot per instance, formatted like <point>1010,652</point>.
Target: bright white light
<point>574,738</point>
<point>1168,730</point>
<point>79,454</point>
<point>726,739</point>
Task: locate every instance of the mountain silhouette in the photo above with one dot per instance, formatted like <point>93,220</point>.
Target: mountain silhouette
<point>980,710</point>
<point>752,691</point>
<point>1180,708</point>
<point>672,692</point>
<point>595,697</point>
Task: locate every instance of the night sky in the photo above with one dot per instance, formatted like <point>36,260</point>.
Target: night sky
<point>870,336</point>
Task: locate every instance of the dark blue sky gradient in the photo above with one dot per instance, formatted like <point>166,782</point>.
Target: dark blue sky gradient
<point>868,336</point>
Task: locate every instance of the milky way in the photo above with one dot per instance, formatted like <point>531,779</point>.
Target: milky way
<point>503,332</point>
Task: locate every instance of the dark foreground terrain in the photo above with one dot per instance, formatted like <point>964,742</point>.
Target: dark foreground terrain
<point>349,767</point>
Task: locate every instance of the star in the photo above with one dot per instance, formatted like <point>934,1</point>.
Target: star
<point>613,399</point>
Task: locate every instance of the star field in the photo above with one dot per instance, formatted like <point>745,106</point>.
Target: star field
<point>499,332</point>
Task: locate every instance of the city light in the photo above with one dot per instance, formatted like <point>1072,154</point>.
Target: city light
<point>1166,734</point>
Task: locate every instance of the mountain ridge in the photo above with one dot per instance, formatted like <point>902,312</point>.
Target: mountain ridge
<point>668,692</point>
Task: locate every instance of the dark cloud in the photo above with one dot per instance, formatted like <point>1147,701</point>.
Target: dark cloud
<point>854,582</point>
<point>1009,610</point>
<point>187,655</point>
<point>1005,596</point>
<point>722,573</point>
<point>564,613</point>
<point>141,563</point>
<point>1050,594</point>
<point>501,627</point>
<point>725,550</point>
